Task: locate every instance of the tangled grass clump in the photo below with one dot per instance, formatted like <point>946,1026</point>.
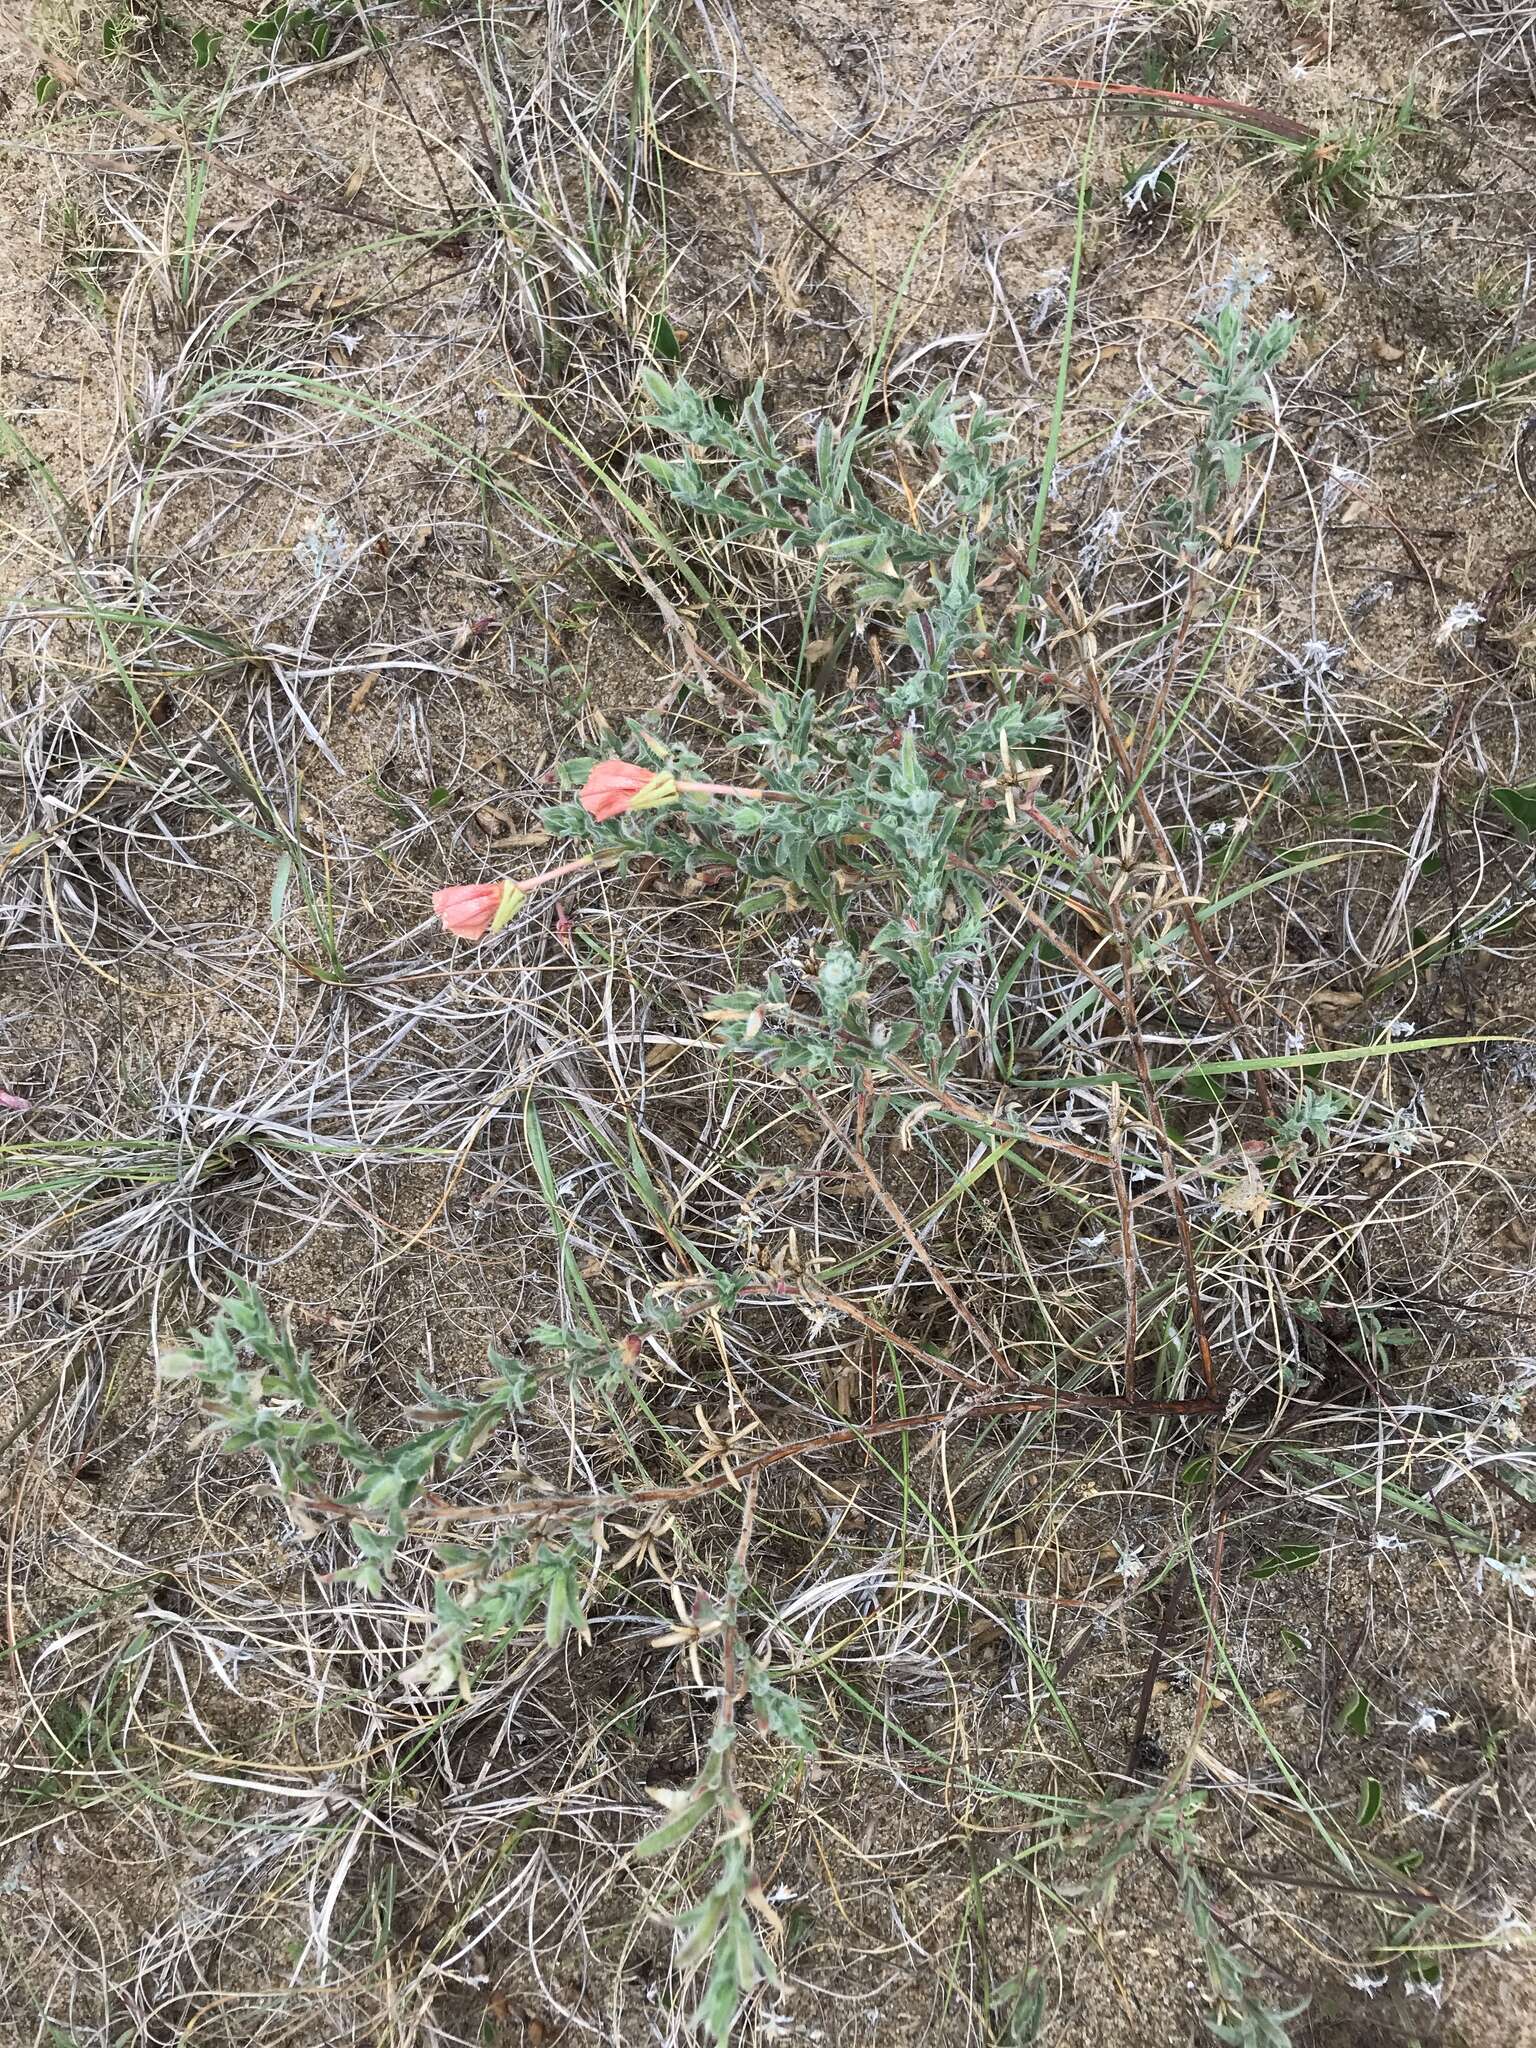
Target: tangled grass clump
<point>965,950</point>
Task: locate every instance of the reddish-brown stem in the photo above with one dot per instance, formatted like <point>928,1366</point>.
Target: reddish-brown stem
<point>731,789</point>
<point>570,867</point>
<point>1193,103</point>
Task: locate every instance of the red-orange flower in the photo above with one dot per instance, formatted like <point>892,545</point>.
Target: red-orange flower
<point>614,787</point>
<point>468,909</point>
<point>471,909</point>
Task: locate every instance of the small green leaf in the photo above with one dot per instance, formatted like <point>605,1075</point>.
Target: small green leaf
<point>1370,1801</point>
<point>1356,1717</point>
<point>778,1712</point>
<point>1288,1557</point>
<point>674,1830</point>
<point>1519,804</point>
<point>280,880</point>
<point>205,47</point>
<point>561,1610</point>
<point>764,900</point>
<point>1204,1087</point>
<point>664,339</point>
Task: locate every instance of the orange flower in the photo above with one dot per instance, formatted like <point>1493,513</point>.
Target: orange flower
<point>469,909</point>
<point>614,787</point>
